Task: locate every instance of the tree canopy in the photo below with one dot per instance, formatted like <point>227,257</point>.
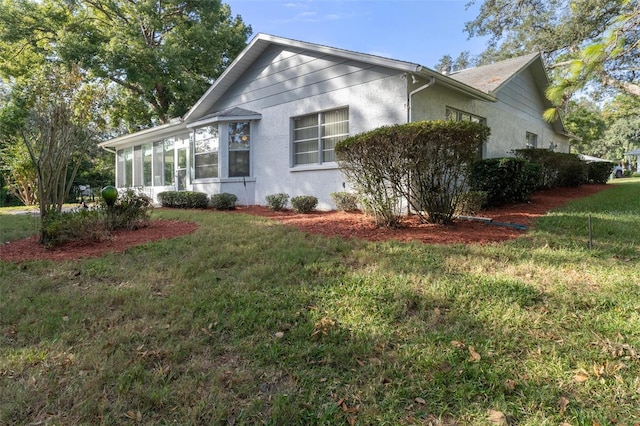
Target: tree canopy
<point>156,57</point>
<point>585,41</point>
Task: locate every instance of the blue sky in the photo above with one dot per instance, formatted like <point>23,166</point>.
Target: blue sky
<point>419,31</point>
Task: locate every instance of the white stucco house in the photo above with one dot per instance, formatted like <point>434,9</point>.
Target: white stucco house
<point>270,122</point>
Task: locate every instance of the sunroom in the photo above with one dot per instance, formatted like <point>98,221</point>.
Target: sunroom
<point>212,155</point>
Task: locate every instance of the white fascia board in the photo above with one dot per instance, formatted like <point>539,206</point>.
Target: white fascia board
<point>147,135</point>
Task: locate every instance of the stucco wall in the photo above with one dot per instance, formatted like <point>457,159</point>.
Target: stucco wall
<point>374,96</point>
<point>518,110</point>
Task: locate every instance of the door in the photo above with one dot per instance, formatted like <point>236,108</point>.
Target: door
<point>181,168</point>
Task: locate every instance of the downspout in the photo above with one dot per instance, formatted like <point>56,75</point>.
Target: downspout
<point>430,83</point>
<point>432,80</point>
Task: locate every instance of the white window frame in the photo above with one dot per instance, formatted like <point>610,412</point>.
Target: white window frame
<point>214,150</point>
<point>459,115</point>
<point>320,136</point>
<point>531,140</point>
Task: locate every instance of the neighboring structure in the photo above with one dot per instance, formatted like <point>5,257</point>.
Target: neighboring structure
<point>270,123</point>
<point>634,153</point>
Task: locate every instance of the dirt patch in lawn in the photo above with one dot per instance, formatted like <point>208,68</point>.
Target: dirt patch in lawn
<point>334,223</point>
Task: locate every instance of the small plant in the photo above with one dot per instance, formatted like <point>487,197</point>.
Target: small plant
<point>304,203</point>
<point>345,201</point>
<point>81,225</point>
<point>224,201</point>
<point>132,210</point>
<point>277,202</point>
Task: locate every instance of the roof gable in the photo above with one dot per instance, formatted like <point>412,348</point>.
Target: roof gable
<point>492,78</point>
<point>261,42</point>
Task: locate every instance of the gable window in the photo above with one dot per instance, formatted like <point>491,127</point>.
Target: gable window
<point>316,135</point>
<point>532,140</point>
<point>206,144</point>
<point>457,115</point>
<point>239,149</point>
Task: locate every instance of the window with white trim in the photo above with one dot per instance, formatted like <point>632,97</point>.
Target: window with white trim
<point>532,140</point>
<point>239,149</point>
<point>205,153</point>
<point>316,135</point>
<point>457,115</point>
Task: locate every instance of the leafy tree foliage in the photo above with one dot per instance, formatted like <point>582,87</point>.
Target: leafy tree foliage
<point>448,64</point>
<point>585,120</point>
<point>159,57</point>
<point>586,41</point>
<point>57,125</point>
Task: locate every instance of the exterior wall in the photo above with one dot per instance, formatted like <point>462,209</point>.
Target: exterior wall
<point>283,84</point>
<point>518,110</point>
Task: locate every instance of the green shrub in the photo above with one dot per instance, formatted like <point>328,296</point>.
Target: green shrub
<point>472,202</point>
<point>627,173</point>
<point>224,201</point>
<point>81,225</point>
<point>7,199</point>
<point>557,169</point>
<point>504,180</point>
<point>184,199</point>
<point>132,210</point>
<point>277,202</point>
<point>345,201</point>
<point>426,163</point>
<point>304,203</point>
<point>599,171</point>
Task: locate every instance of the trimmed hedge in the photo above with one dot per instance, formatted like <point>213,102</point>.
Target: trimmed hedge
<point>505,180</point>
<point>557,169</point>
<point>304,203</point>
<point>184,199</point>
<point>277,202</point>
<point>224,201</point>
<point>424,163</point>
<point>599,171</point>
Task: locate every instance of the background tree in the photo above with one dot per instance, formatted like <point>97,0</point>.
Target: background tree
<point>448,64</point>
<point>588,43</point>
<point>584,119</point>
<point>58,129</point>
<point>623,126</point>
<point>158,56</point>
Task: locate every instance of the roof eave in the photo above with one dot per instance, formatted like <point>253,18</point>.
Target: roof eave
<point>153,133</point>
<point>457,85</point>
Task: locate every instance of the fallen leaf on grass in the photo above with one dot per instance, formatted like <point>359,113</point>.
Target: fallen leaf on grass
<point>509,385</point>
<point>279,335</point>
<point>134,415</point>
<point>581,377</point>
<point>497,417</point>
<point>562,404</point>
<point>420,401</point>
<point>457,344</point>
<point>475,356</point>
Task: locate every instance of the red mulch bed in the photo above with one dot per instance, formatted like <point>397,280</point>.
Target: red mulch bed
<point>334,223</point>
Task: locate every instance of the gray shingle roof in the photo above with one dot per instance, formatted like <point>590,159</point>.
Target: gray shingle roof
<point>489,78</point>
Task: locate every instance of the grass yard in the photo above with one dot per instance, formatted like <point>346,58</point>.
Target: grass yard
<point>247,321</point>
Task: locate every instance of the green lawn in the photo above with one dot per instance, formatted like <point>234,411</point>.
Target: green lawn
<point>251,322</point>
